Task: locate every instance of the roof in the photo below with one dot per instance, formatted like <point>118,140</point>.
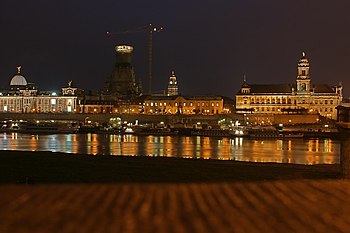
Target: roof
<point>269,88</point>
<point>322,88</point>
<point>18,80</point>
<point>284,88</point>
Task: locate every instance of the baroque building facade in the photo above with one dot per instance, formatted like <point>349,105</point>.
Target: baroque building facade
<point>300,97</point>
<point>189,105</point>
<point>24,97</point>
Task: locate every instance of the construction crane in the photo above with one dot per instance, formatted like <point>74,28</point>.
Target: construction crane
<point>150,29</point>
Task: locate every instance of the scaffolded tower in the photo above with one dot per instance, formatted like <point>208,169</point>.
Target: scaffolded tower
<point>122,81</point>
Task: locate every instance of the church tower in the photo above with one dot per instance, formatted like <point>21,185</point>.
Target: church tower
<point>303,78</point>
<point>172,85</point>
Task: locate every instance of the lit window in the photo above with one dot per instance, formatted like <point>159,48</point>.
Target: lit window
<point>151,103</point>
<point>53,101</point>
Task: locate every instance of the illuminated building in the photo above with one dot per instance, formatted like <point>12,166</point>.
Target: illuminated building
<point>300,97</point>
<point>207,105</point>
<point>23,97</point>
<point>172,86</point>
<point>122,81</point>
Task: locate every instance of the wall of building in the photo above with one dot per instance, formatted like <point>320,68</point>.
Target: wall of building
<point>182,105</point>
<point>325,105</point>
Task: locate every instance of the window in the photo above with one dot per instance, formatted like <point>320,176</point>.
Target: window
<point>303,72</point>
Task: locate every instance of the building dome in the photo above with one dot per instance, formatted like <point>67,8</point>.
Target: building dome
<point>18,79</point>
<point>303,60</point>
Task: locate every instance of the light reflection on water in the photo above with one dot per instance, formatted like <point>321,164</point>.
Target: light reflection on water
<point>313,151</point>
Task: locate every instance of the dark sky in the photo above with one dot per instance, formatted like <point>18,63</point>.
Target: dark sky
<point>209,44</point>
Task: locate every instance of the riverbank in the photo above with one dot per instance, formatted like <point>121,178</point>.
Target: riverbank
<point>49,167</point>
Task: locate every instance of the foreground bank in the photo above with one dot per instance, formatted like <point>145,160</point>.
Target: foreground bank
<point>48,167</point>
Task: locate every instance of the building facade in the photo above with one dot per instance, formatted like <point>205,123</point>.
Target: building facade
<point>301,97</point>
<point>207,105</point>
<point>24,97</point>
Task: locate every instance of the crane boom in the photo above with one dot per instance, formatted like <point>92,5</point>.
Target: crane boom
<point>150,29</point>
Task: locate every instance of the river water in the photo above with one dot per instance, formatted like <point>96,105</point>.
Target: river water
<point>299,151</point>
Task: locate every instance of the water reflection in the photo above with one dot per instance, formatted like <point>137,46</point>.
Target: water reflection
<point>298,151</point>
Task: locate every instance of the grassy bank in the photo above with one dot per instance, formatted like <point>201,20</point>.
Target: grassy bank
<point>48,167</point>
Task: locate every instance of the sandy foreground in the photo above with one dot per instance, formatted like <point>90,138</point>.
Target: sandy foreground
<point>47,167</point>
<point>82,193</point>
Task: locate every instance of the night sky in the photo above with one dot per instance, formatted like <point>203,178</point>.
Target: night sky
<point>209,44</point>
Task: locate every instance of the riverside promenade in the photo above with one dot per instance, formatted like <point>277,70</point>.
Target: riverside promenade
<point>274,206</point>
